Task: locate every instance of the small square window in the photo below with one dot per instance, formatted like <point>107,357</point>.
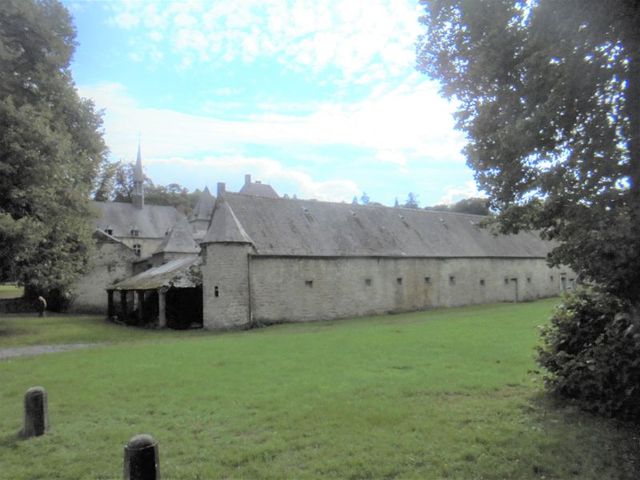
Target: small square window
<point>452,280</point>
<point>216,292</point>
<point>528,279</point>
<point>308,283</point>
<point>482,282</point>
<point>427,279</point>
<point>109,231</point>
<point>551,278</point>
<point>399,280</point>
<point>506,280</point>
<point>367,282</point>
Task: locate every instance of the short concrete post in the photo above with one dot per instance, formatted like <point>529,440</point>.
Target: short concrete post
<point>36,420</point>
<point>141,458</point>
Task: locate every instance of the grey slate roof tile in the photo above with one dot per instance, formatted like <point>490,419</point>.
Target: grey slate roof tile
<point>152,221</point>
<point>279,226</point>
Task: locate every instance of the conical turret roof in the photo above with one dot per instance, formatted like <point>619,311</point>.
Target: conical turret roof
<point>204,207</point>
<point>225,227</point>
<point>179,240</point>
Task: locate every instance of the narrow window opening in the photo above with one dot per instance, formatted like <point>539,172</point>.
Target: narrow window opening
<point>452,280</point>
<point>506,280</point>
<point>399,280</point>
<point>367,282</point>
<point>137,249</point>
<point>482,282</point>
<point>551,278</point>
<point>309,283</point>
<point>216,293</point>
<point>427,279</point>
<point>528,279</point>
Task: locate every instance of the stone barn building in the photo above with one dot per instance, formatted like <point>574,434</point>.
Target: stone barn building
<point>251,257</point>
<point>268,260</point>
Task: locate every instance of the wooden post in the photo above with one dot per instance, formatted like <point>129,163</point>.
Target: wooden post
<point>140,294</point>
<point>110,312</point>
<point>123,305</point>
<point>141,460</point>
<point>162,307</point>
<point>36,420</point>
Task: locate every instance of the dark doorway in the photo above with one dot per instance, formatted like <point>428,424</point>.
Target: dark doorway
<point>184,308</point>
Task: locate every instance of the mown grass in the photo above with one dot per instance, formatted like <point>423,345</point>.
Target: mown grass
<point>441,394</point>
<point>10,290</point>
<point>24,330</point>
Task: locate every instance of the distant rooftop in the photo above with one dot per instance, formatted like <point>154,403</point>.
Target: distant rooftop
<point>257,189</point>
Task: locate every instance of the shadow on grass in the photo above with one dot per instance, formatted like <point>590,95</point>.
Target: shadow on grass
<point>586,441</point>
<point>12,440</point>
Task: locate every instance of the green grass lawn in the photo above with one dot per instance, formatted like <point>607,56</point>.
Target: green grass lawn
<point>10,290</point>
<point>439,394</point>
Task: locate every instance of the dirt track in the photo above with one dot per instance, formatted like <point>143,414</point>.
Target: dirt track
<point>33,350</point>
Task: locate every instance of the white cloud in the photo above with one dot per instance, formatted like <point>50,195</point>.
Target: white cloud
<point>454,193</point>
<point>402,126</point>
<point>231,168</point>
<point>359,40</point>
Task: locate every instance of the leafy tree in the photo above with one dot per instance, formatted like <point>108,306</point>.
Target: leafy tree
<point>115,183</point>
<point>411,201</point>
<point>475,206</point>
<point>51,148</point>
<point>549,96</point>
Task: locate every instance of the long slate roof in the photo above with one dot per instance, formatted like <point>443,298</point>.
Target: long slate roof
<point>290,227</point>
<point>151,221</point>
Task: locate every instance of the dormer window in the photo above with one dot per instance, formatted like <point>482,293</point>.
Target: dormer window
<point>108,231</point>
<point>135,233</point>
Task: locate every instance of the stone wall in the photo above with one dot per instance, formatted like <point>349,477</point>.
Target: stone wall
<point>111,262</point>
<point>304,289</point>
<point>225,285</point>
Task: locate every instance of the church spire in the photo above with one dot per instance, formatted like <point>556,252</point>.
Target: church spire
<point>137,196</point>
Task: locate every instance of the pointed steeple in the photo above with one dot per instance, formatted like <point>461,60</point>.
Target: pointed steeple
<point>137,196</point>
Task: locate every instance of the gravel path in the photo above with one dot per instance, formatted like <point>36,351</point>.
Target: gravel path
<point>6,353</point>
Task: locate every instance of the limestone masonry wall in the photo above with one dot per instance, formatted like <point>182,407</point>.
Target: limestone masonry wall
<point>225,285</point>
<point>304,289</point>
<point>112,262</point>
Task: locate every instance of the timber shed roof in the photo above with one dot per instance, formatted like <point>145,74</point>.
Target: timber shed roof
<point>151,221</point>
<point>290,227</point>
<point>181,273</point>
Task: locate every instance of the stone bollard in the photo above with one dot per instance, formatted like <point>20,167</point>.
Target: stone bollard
<point>141,460</point>
<point>36,420</point>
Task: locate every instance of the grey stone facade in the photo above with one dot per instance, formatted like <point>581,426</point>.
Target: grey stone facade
<point>282,260</point>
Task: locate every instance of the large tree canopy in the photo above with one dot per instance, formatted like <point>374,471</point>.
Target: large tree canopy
<point>549,96</point>
<point>50,148</point>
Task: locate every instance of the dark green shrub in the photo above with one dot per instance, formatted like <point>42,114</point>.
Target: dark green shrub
<point>591,352</point>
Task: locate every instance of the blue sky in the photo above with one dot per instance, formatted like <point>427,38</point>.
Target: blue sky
<point>318,98</point>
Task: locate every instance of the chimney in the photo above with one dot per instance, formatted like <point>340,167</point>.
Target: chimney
<point>247,179</point>
<point>221,188</point>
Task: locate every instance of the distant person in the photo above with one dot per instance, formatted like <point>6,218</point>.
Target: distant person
<point>42,306</point>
